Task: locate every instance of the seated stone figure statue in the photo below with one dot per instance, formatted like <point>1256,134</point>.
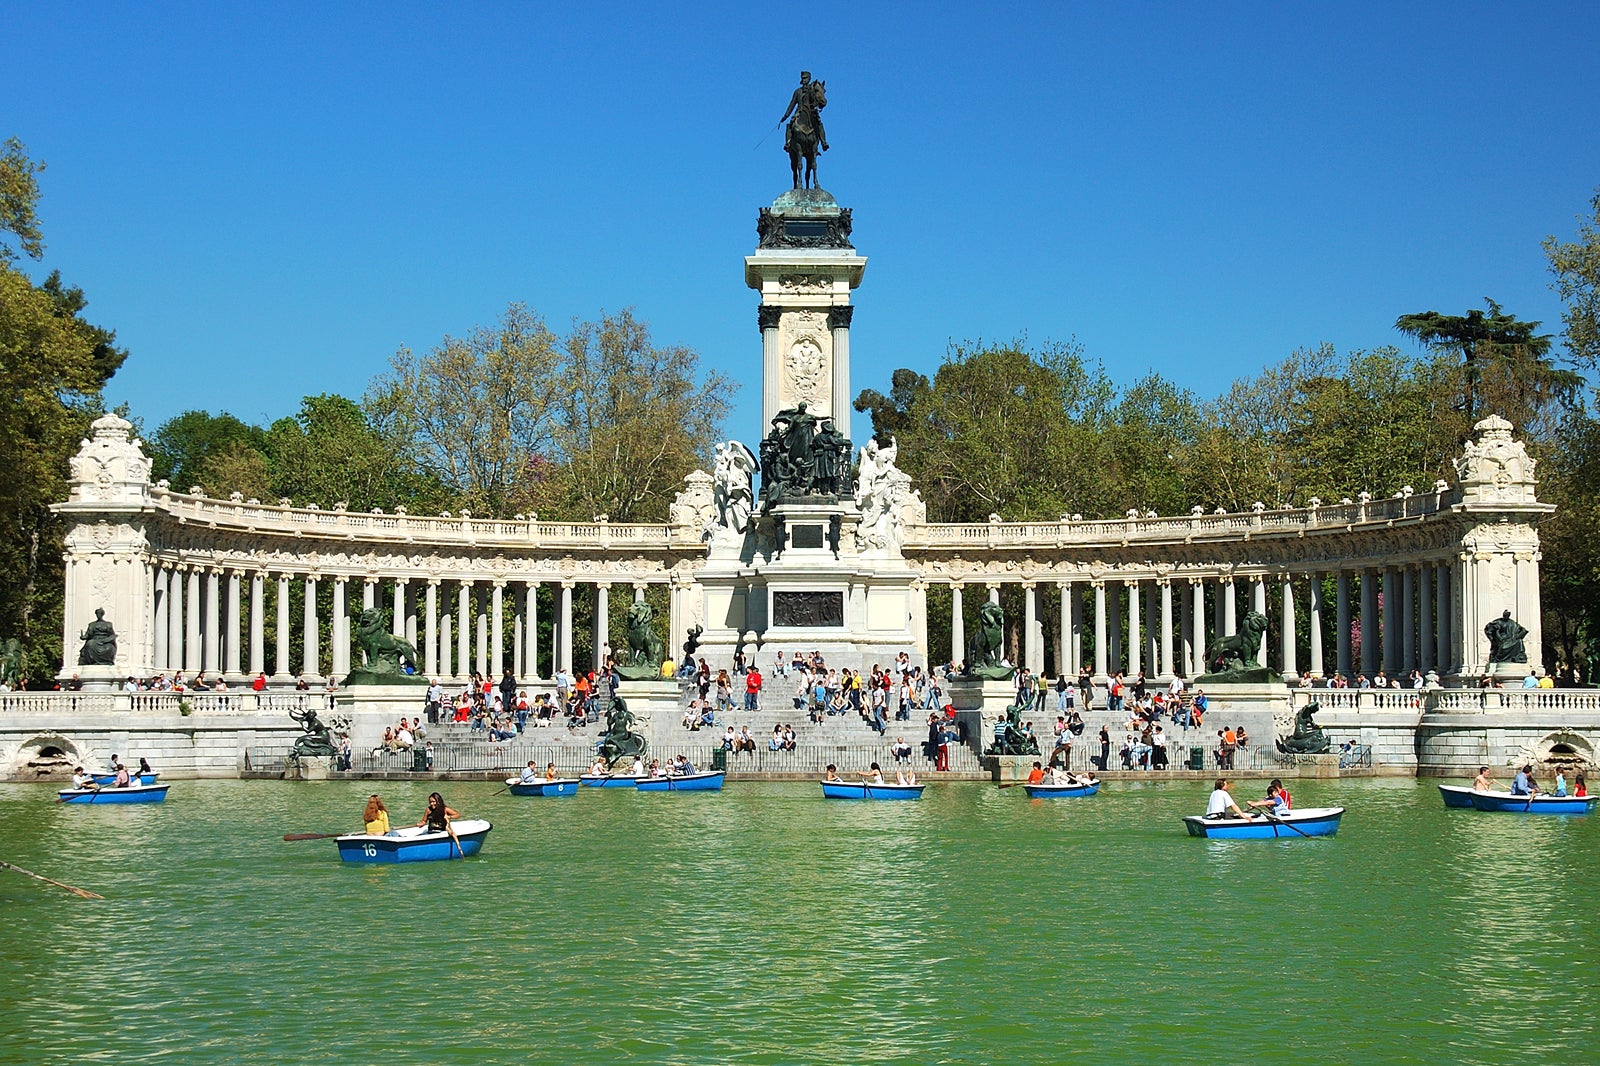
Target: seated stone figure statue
<point>1307,738</point>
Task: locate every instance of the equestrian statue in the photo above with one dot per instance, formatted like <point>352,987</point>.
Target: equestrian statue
<point>805,135</point>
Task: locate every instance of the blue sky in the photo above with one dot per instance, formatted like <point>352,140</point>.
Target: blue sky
<point>267,201</point>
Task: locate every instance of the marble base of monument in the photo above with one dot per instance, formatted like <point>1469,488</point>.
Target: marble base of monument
<point>1509,670</point>
<point>371,707</point>
<point>96,678</point>
<point>308,768</point>
<point>980,705</point>
<point>1010,768</point>
<point>657,710</point>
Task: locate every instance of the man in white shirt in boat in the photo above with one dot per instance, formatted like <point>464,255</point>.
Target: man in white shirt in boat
<point>531,774</point>
<point>598,768</point>
<point>637,769</point>
<point>1221,804</point>
<point>82,778</point>
<point>873,776</point>
<point>1483,782</point>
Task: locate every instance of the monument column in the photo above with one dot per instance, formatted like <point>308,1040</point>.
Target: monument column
<point>310,659</point>
<point>1258,604</point>
<point>369,593</point>
<point>481,624</point>
<point>1064,660</point>
<point>1197,635</point>
<point>1371,637</point>
<point>398,628</point>
<point>233,624</point>
<point>1391,621</point>
<point>565,661</point>
<point>1031,651</point>
<point>767,319</point>
<point>339,638</point>
<point>1441,628</point>
<point>430,631</point>
<point>1408,621</point>
<point>213,656</point>
<point>463,628</point>
<point>192,662</point>
<point>1316,625</point>
<point>497,664</point>
<point>1100,659</point>
<point>839,329</point>
<point>163,597</point>
<point>282,671</point>
<point>446,667</point>
<point>531,628</point>
<point>258,625</point>
<point>175,619</point>
<point>1168,668</point>
<point>602,621</point>
<point>1135,664</point>
<point>1230,607</point>
<point>1341,619</point>
<point>1289,671</point>
<point>1425,627</point>
<point>958,647</point>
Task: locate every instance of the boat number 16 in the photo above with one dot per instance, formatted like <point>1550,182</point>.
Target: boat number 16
<point>370,850</point>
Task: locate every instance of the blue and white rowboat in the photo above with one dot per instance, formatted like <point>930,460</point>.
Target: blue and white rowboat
<point>1459,796</point>
<point>1506,803</point>
<point>1062,791</point>
<point>609,780</point>
<point>1296,825</point>
<point>561,786</point>
<point>138,779</point>
<point>126,794</point>
<point>415,844</point>
<point>863,791</point>
<point>704,781</point>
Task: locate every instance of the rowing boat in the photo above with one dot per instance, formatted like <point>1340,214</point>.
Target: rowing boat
<point>1296,825</point>
<point>862,790</point>
<point>1044,791</point>
<point>1458,796</point>
<point>105,780</point>
<point>125,794</point>
<point>415,843</point>
<point>608,780</point>
<point>1544,803</point>
<point>561,786</point>
<point>704,781</point>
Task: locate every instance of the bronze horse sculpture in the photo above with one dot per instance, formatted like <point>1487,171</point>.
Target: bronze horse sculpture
<point>805,135</point>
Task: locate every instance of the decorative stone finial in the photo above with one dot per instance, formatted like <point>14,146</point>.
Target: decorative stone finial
<point>1495,468</point>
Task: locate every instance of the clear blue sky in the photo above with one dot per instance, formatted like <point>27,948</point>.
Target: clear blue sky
<point>266,201</point>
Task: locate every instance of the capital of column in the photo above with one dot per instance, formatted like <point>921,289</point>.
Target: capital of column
<point>499,582</point>
<point>1028,585</point>
<point>839,317</point>
<point>767,317</point>
<point>568,583</point>
<point>603,585</point>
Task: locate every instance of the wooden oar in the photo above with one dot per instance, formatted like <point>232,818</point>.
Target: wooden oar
<point>85,893</point>
<point>1269,816</point>
<point>311,836</point>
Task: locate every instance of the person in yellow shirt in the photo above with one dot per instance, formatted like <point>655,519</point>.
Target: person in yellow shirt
<point>376,817</point>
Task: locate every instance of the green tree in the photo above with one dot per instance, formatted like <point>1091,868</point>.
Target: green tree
<point>1497,347</point>
<point>183,446</point>
<point>1576,266</point>
<point>52,366</point>
<point>476,410</point>
<point>329,453</point>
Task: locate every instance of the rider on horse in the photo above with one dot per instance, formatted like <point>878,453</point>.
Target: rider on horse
<point>803,105</point>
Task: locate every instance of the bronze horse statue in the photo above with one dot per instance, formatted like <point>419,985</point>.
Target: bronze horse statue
<point>805,135</point>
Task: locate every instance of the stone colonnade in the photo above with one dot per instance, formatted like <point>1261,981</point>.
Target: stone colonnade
<point>1161,625</point>
<point>212,620</point>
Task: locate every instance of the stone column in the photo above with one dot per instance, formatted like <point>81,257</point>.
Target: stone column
<point>398,628</point>
<point>1289,671</point>
<point>565,659</point>
<point>1135,645</point>
<point>1186,612</point>
<point>958,638</point>
<point>839,326</point>
<point>1391,621</point>
<point>192,662</point>
<point>163,598</point>
<point>1425,626</point>
<point>1100,661</point>
<point>1168,668</point>
<point>994,593</point>
<point>1230,607</point>
<point>282,643</point>
<point>1441,627</point>
<point>1371,636</point>
<point>463,629</point>
<point>1114,631</point>
<point>411,617</point>
<point>311,654</point>
<point>602,619</point>
<point>919,621</point>
<point>232,624</point>
<point>1197,635</point>
<point>446,667</point>
<point>1527,609</point>
<point>175,581</point>
<point>1341,619</point>
<point>481,621</point>
<point>339,638</point>
<point>430,630</point>
<point>767,318</point>
<point>258,623</point>
<point>213,622</point>
<point>1064,658</point>
<point>1408,621</point>
<point>369,593</point>
<point>531,628</point>
<point>497,636</point>
<point>1258,604</point>
<point>1031,651</point>
<point>1316,625</point>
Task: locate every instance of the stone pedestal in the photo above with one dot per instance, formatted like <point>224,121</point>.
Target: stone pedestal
<point>981,704</point>
<point>98,678</point>
<point>1318,765</point>
<point>371,707</point>
<point>308,768</point>
<point>1510,671</point>
<point>655,709</point>
<point>1012,768</point>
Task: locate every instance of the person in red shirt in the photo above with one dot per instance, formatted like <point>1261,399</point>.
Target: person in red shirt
<point>752,689</point>
<point>1036,775</point>
<point>259,683</point>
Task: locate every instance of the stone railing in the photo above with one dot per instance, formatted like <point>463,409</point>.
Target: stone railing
<point>401,527</point>
<point>160,703</point>
<point>1183,528</point>
<point>1451,700</point>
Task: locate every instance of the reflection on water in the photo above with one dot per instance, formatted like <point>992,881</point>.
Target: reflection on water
<point>766,925</point>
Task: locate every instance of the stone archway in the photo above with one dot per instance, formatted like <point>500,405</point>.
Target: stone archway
<point>44,756</point>
<point>1564,749</point>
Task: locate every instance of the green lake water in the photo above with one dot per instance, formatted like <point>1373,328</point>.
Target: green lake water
<point>766,925</point>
